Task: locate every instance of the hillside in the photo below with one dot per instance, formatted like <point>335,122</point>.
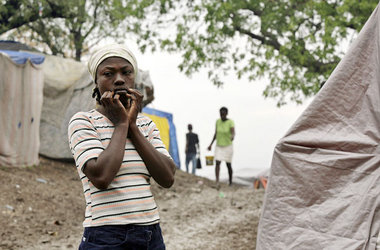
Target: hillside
<point>42,208</point>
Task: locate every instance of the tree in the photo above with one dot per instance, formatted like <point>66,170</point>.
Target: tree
<point>16,13</point>
<point>295,43</point>
<point>70,27</point>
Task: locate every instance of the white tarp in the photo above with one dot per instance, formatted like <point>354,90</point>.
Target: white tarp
<point>20,106</point>
<point>67,90</point>
<point>324,182</point>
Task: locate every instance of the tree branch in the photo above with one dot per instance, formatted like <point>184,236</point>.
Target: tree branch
<point>275,44</point>
<point>15,19</point>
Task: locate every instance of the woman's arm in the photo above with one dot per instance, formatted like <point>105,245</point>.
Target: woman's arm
<point>213,139</point>
<point>187,145</point>
<point>232,133</point>
<point>161,167</point>
<point>102,170</point>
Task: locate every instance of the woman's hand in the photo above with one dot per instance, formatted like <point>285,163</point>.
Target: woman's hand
<point>113,108</point>
<point>135,107</point>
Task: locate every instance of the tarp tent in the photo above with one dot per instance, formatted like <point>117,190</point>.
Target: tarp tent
<point>67,90</point>
<point>21,95</point>
<point>324,181</point>
<point>164,123</point>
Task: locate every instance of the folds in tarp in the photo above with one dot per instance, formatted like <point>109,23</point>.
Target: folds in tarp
<point>67,89</point>
<point>324,182</point>
<point>164,123</point>
<point>21,84</point>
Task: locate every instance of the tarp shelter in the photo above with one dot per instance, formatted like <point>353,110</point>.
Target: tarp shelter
<point>324,182</point>
<point>21,95</point>
<point>67,89</point>
<point>164,123</point>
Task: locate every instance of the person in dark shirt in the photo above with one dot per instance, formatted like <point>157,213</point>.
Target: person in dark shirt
<point>192,144</point>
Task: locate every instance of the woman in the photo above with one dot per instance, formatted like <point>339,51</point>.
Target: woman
<point>116,151</point>
<point>224,135</point>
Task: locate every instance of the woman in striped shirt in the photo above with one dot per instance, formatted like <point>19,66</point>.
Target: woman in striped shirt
<point>117,151</point>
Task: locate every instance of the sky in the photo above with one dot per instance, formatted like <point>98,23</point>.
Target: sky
<point>259,123</point>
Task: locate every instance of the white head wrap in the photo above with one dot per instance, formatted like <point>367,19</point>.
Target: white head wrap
<point>110,50</point>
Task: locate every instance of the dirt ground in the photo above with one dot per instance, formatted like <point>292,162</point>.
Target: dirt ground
<point>42,207</point>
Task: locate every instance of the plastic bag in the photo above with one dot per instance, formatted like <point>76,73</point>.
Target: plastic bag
<point>199,164</point>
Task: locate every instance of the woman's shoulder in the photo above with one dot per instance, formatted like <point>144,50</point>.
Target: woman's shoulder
<point>83,115</point>
<point>143,119</point>
<point>227,121</point>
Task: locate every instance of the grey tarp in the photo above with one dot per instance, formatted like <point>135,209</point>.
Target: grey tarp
<point>67,90</point>
<point>324,183</point>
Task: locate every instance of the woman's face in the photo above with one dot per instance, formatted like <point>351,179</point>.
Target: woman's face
<point>223,114</point>
<point>115,73</point>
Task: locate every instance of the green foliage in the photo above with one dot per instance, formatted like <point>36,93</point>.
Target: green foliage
<point>69,28</point>
<point>295,43</point>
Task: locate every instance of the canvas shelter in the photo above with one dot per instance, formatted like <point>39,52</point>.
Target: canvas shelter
<point>324,182</point>
<point>67,89</point>
<point>164,123</point>
<point>21,96</point>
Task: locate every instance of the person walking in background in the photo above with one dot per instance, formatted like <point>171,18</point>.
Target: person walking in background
<point>192,145</point>
<point>117,150</point>
<point>224,135</point>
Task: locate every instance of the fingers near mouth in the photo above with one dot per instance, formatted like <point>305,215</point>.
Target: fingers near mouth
<point>120,92</point>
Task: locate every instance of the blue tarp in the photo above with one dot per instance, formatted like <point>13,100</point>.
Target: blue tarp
<point>173,148</point>
<point>22,57</point>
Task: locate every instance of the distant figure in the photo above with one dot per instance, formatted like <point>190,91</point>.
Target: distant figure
<point>224,135</point>
<point>192,144</point>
